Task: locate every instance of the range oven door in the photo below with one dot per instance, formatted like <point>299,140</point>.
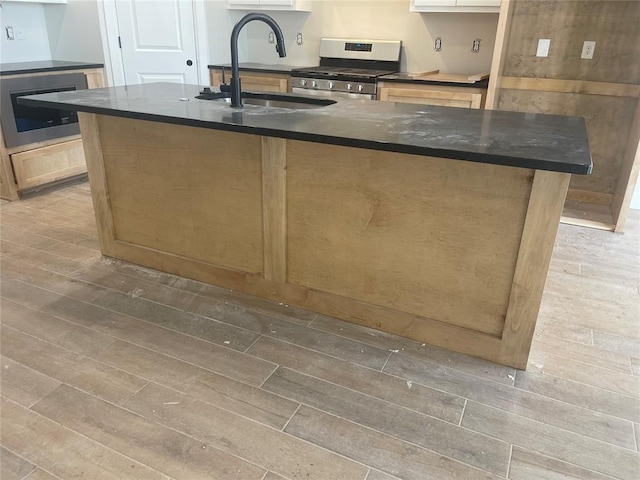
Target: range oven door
<point>332,94</point>
<point>23,125</point>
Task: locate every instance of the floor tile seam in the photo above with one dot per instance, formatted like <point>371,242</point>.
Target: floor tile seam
<point>509,463</point>
<point>591,439</point>
<point>388,402</point>
<point>264,425</point>
<point>130,316</point>
<point>68,259</point>
<point>464,408</point>
<point>83,357</point>
<point>93,442</point>
<point>72,276</point>
<point>412,355</point>
<point>637,398</point>
<point>387,374</point>
<point>153,349</point>
<point>568,463</point>
<point>61,319</point>
<point>76,209</point>
<point>32,473</point>
<point>291,417</point>
<point>122,407</point>
<point>408,442</point>
<point>252,420</point>
<point>45,237</point>
<point>541,339</point>
<point>635,436</point>
<point>569,404</point>
<point>22,457</point>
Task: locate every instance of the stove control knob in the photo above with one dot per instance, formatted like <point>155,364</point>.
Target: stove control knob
<point>303,82</point>
<point>360,87</point>
<point>314,84</point>
<point>349,86</point>
<point>332,84</point>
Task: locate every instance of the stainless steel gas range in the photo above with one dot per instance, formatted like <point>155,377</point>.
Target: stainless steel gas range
<point>348,68</point>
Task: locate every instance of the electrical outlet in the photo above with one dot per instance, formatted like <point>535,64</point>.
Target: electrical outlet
<point>588,47</point>
<point>9,32</point>
<point>20,35</point>
<point>543,47</point>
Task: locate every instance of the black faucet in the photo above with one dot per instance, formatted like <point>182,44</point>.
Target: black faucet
<point>236,91</point>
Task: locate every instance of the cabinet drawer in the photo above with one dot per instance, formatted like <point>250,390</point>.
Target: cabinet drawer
<point>48,164</point>
<point>254,81</point>
<point>459,98</point>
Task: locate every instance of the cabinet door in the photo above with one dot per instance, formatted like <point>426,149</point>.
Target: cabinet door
<point>431,97</point>
<point>48,164</point>
<point>263,83</point>
<point>270,3</point>
<point>233,3</point>
<point>478,3</point>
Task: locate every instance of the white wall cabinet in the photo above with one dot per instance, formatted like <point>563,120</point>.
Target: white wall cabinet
<point>455,6</point>
<point>36,1</point>
<point>290,5</point>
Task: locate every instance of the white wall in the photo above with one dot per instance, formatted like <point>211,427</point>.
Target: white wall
<point>382,19</point>
<point>635,200</point>
<point>74,31</point>
<point>31,18</point>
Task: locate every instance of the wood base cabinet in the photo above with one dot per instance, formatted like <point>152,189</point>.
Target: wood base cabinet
<point>252,81</point>
<point>26,167</point>
<point>447,96</point>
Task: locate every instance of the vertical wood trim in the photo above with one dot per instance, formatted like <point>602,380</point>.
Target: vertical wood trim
<point>499,53</point>
<point>538,237</point>
<point>98,181</point>
<point>628,175</point>
<point>476,100</point>
<point>8,187</point>
<point>274,208</point>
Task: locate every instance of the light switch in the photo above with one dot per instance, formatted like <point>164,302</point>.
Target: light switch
<point>9,31</point>
<point>543,47</point>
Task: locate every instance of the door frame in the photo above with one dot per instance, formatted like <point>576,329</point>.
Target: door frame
<point>109,31</point>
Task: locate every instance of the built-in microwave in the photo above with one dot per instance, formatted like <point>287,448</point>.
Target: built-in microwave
<point>23,125</point>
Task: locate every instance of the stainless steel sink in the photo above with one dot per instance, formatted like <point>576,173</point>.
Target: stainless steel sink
<point>275,100</point>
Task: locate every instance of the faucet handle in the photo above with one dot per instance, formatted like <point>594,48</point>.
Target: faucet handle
<point>224,87</point>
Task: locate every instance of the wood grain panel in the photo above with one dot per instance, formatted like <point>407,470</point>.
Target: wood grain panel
<point>614,25</point>
<point>385,229</point>
<point>608,120</point>
<point>253,81</point>
<point>432,94</point>
<point>189,191</point>
<point>99,188</point>
<point>274,197</point>
<point>571,86</point>
<point>48,164</point>
<point>545,208</point>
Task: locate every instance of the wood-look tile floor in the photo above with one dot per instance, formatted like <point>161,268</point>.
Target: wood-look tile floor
<point>115,371</point>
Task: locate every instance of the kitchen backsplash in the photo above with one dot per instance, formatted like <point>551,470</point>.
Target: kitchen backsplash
<point>382,19</point>
<point>31,42</point>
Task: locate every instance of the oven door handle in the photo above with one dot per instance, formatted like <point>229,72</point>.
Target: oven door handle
<point>332,94</point>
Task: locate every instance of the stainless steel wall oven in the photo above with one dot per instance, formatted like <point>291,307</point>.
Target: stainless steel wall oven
<point>23,125</point>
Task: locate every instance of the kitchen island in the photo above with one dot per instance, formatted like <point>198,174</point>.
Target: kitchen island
<point>432,223</point>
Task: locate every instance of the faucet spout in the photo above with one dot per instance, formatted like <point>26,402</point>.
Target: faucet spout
<point>236,90</point>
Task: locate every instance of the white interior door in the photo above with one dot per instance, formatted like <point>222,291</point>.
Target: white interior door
<point>158,41</point>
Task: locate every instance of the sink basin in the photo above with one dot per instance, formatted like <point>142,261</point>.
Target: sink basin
<point>275,100</point>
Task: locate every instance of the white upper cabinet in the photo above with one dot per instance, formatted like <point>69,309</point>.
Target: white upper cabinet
<point>290,5</point>
<point>455,5</point>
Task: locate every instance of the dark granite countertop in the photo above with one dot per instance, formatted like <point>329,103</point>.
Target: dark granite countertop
<point>259,67</point>
<point>546,142</point>
<point>44,66</point>
<point>403,77</point>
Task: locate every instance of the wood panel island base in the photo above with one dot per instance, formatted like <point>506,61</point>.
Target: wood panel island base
<point>432,223</point>
<point>448,253</point>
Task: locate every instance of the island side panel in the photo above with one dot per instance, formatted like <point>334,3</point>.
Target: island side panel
<point>99,189</point>
<point>538,238</point>
<point>186,191</point>
<point>430,237</point>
